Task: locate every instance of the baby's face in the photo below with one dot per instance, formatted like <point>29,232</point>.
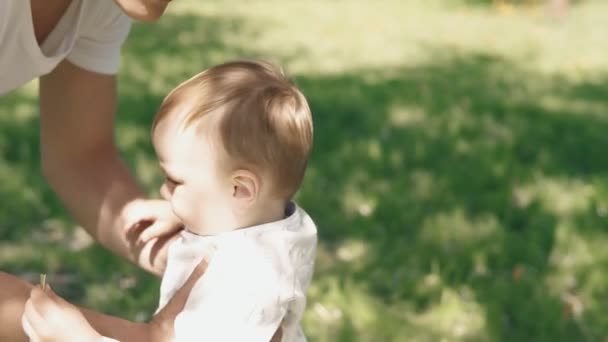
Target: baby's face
<point>194,184</point>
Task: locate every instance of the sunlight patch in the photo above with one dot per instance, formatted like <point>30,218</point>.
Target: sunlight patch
<point>340,310</point>
<point>24,111</point>
<point>14,252</point>
<point>455,227</point>
<point>130,136</point>
<point>423,185</point>
<point>28,90</point>
<point>574,107</point>
<point>98,295</point>
<point>571,250</point>
<point>374,150</point>
<point>578,274</point>
<point>457,315</point>
<point>325,301</point>
<point>401,116</point>
<point>358,203</point>
<point>351,250</point>
<point>25,199</point>
<point>561,197</point>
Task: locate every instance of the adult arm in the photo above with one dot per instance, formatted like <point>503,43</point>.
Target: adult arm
<point>48,317</point>
<point>16,292</point>
<point>83,166</point>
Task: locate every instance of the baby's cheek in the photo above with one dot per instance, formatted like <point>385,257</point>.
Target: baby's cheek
<point>184,208</point>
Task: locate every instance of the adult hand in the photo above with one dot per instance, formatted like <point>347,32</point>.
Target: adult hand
<point>161,325</point>
<point>49,318</point>
<point>150,219</point>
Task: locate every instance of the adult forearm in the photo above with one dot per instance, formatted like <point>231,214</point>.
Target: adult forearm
<point>15,293</point>
<point>80,160</point>
<point>117,328</point>
<point>97,189</point>
<point>13,296</point>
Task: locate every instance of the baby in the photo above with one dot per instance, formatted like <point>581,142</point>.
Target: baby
<point>233,143</point>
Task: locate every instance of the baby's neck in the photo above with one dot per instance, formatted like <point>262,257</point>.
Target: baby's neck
<point>271,212</point>
<point>235,220</point>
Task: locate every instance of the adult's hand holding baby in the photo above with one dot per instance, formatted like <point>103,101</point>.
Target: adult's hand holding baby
<point>149,226</point>
<point>149,219</point>
<point>163,322</point>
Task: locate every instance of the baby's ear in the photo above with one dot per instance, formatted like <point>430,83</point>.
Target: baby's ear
<point>245,186</point>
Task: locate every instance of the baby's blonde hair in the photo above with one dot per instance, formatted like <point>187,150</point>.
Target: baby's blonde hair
<point>265,122</point>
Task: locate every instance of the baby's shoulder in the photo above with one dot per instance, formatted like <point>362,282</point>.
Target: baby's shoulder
<point>249,253</point>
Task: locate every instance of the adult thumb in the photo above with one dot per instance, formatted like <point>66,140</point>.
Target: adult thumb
<point>181,296</point>
<point>178,301</point>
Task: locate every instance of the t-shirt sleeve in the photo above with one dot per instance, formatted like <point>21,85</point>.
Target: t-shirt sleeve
<point>232,308</point>
<point>103,33</point>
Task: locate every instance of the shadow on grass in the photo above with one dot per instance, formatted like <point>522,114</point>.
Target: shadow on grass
<point>448,177</point>
<point>428,167</point>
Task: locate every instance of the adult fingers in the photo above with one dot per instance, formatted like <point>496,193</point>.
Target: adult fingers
<point>28,330</point>
<point>164,320</point>
<point>53,297</point>
<point>181,296</point>
<point>145,211</point>
<point>178,301</point>
<point>42,300</point>
<point>158,229</point>
<point>278,335</point>
<point>33,321</point>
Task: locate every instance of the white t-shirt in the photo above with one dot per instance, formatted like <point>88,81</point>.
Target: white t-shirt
<point>256,281</point>
<point>89,34</point>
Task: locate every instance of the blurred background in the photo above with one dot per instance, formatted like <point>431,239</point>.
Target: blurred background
<point>459,179</point>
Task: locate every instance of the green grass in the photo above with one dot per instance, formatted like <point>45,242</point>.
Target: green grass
<point>459,179</point>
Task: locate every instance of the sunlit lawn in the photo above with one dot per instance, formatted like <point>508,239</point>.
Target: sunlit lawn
<point>459,178</point>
